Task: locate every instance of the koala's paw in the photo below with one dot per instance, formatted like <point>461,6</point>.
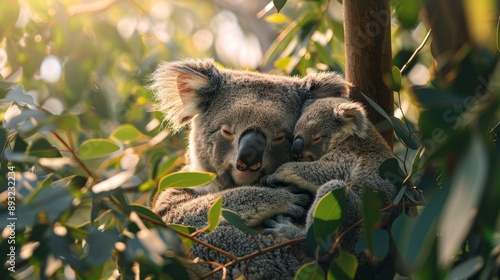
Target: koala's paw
<point>296,202</point>
<point>283,226</point>
<point>288,178</point>
<point>271,182</point>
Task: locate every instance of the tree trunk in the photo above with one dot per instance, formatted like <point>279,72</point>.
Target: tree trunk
<point>367,29</point>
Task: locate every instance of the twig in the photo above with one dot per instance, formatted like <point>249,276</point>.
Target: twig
<point>74,155</point>
<point>258,253</point>
<point>187,235</point>
<point>416,51</point>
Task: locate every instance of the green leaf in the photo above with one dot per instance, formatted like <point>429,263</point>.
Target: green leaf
<point>126,133</point>
<point>468,183</point>
<point>66,122</point>
<point>168,165</point>
<point>287,36</point>
<point>101,245</point>
<point>235,220</point>
<point>311,243</point>
<point>376,107</point>
<point>97,148</point>
<point>146,185</point>
<point>414,237</point>
<point>188,243</point>
<point>328,216</point>
<point>310,271</point>
<point>343,267</point>
<point>145,212</point>
<point>48,201</point>
<point>390,170</point>
<point>42,148</point>
<point>214,214</point>
<point>468,268</point>
<point>19,145</point>
<point>279,4</point>
<point>380,244</point>
<point>396,78</point>
<point>408,138</point>
<point>407,12</point>
<point>371,205</point>
<point>185,180</point>
<point>432,98</point>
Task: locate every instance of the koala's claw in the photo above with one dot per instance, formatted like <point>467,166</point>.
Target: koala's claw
<point>272,182</point>
<point>282,225</point>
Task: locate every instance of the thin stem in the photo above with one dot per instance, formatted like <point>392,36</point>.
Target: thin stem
<point>255,254</point>
<point>417,51</point>
<point>74,155</point>
<point>187,235</point>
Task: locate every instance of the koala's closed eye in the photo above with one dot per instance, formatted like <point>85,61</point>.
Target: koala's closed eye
<point>279,137</point>
<point>227,132</point>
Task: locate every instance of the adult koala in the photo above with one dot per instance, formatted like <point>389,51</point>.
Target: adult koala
<point>241,128</point>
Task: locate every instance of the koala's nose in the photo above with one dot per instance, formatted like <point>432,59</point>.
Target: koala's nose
<point>298,147</point>
<point>252,145</point>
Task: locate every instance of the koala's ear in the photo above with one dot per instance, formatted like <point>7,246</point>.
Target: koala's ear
<point>181,88</point>
<point>327,84</point>
<point>354,118</point>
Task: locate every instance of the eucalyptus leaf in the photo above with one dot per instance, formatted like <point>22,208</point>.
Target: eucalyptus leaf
<point>97,148</point>
<point>214,214</point>
<point>408,137</point>
<point>328,216</point>
<point>371,205</point>
<point>278,4</point>
<point>185,180</point>
<point>376,107</point>
<point>468,183</point>
<point>126,133</point>
<point>310,271</point>
<point>343,267</point>
<point>235,220</point>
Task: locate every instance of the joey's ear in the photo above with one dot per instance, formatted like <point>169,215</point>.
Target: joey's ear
<point>354,118</point>
<point>181,88</point>
<point>327,84</point>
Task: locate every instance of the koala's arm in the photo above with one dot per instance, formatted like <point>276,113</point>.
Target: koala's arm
<point>253,204</point>
<point>306,175</point>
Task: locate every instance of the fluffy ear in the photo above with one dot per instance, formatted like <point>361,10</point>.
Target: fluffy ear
<point>354,118</point>
<point>327,84</point>
<point>181,88</point>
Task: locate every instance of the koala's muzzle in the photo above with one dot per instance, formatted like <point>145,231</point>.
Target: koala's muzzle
<point>298,147</point>
<point>252,145</point>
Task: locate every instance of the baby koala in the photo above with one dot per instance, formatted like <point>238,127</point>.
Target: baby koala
<point>338,148</point>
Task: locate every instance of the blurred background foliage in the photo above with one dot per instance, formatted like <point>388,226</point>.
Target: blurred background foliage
<point>87,149</point>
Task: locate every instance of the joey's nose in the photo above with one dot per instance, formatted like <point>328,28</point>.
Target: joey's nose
<point>298,147</point>
<point>252,145</point>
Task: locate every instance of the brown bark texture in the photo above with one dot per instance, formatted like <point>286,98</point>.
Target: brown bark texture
<point>367,32</point>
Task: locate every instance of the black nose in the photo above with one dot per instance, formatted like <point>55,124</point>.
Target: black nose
<point>298,147</point>
<point>252,145</point>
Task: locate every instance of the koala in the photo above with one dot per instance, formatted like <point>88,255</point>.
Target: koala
<point>337,147</point>
<point>240,128</point>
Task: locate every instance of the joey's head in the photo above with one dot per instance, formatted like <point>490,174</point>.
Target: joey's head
<point>326,123</point>
<point>240,123</point>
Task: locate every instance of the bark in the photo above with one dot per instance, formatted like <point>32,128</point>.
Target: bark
<point>367,31</point>
<point>449,32</point>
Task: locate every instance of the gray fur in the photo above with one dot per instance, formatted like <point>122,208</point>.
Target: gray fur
<point>348,150</point>
<point>197,94</point>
